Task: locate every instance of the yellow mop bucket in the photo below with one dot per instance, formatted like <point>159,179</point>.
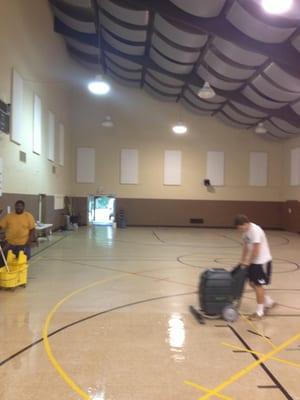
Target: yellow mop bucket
<point>14,273</point>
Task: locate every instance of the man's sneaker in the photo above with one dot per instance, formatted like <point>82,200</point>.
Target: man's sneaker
<point>255,317</point>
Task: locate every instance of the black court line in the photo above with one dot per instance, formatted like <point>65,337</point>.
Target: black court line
<point>267,387</point>
<point>157,237</point>
<point>262,365</point>
<point>258,334</point>
<point>11,357</point>
<point>46,248</point>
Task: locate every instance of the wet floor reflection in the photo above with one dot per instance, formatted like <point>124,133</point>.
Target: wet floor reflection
<point>176,336</point>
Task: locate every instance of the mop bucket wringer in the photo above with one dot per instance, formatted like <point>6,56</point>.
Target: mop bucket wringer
<point>14,273</point>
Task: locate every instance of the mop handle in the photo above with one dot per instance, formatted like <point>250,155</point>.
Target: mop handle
<point>4,258</point>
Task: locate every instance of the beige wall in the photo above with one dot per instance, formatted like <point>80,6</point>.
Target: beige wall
<point>28,44</point>
<point>144,123</point>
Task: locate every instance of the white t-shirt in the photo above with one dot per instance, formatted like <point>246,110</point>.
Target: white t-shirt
<point>256,235</point>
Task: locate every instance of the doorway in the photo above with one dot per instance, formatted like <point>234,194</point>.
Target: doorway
<point>101,210</point>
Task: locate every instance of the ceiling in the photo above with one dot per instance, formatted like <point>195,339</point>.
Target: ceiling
<point>171,47</point>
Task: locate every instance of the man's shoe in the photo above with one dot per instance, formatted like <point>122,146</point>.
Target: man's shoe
<point>255,317</point>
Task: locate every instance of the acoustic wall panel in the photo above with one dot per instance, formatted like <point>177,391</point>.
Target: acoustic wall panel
<point>172,167</point>
<point>258,171</point>
<point>85,165</point>
<point>61,147</point>
<point>129,167</point>
<point>17,132</point>
<point>37,125</point>
<point>51,136</point>
<point>215,167</point>
<point>295,167</point>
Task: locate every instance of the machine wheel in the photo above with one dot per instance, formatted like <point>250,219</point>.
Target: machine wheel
<point>229,313</point>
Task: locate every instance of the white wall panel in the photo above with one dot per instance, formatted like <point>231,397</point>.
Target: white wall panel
<point>215,167</point>
<point>129,173</point>
<point>172,167</point>
<point>295,167</point>
<point>51,136</point>
<point>37,125</point>
<point>61,142</point>
<point>85,165</point>
<point>258,171</point>
<point>17,126</point>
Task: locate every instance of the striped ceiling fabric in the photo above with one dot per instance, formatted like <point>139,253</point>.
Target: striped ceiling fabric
<point>171,48</point>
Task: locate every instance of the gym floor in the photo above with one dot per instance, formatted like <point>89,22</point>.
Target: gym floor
<point>113,308</point>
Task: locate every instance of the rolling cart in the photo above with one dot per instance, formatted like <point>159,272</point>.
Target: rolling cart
<point>14,271</point>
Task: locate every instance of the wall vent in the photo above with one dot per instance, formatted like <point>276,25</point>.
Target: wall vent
<point>196,221</point>
<point>22,156</point>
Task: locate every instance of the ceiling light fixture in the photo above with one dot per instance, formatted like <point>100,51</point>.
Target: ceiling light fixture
<point>107,122</point>
<point>206,92</point>
<point>277,6</point>
<point>98,86</point>
<point>179,128</point>
<point>260,128</point>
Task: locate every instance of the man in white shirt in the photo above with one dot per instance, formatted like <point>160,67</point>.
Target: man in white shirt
<point>257,257</point>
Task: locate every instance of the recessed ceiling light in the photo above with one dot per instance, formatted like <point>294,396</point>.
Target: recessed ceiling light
<point>277,6</point>
<point>98,86</point>
<point>179,128</point>
<point>206,92</point>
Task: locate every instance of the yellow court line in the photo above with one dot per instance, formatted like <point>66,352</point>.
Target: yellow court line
<point>262,354</point>
<point>259,333</point>
<point>47,346</point>
<point>204,389</point>
<point>249,368</point>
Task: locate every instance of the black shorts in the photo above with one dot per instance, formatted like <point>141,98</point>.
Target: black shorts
<point>260,274</point>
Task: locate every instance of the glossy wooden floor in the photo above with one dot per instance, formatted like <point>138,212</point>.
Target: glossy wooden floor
<point>113,306</point>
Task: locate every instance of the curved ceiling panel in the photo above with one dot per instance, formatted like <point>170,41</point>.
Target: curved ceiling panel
<point>272,91</point>
<point>238,54</point>
<point>255,28</point>
<point>217,82</point>
<point>165,78</point>
<point>194,109</point>
<point>239,117</point>
<point>249,111</point>
<point>77,25</point>
<point>283,78</point>
<point>171,48</point>
<point>179,36</point>
<point>84,48</point>
<point>261,100</point>
<point>228,121</point>
<point>276,131</point>
<point>285,126</point>
<point>129,15</point>
<point>79,3</point>
<point>161,96</point>
<point>123,62</point>
<point>123,73</point>
<point>162,88</point>
<point>200,8</point>
<point>229,70</point>
<point>134,35</point>
<point>123,47</point>
<point>173,52</point>
<point>170,65</point>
